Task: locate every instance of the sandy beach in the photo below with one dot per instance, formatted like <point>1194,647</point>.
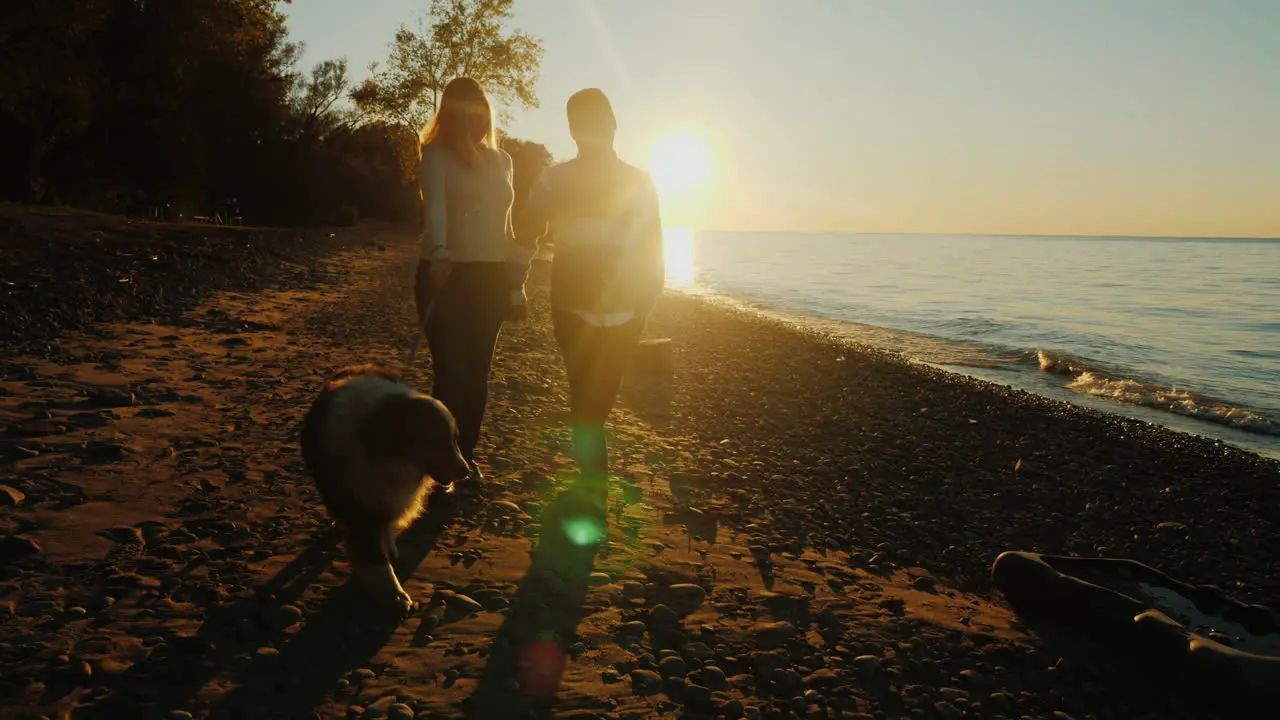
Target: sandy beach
<point>798,528</point>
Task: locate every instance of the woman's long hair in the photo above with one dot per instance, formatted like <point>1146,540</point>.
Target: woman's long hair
<point>463,122</point>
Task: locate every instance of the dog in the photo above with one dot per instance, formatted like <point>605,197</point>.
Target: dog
<point>376,448</point>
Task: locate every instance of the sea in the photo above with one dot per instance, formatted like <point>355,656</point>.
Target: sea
<point>1182,332</point>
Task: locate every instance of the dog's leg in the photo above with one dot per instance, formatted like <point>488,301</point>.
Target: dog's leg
<point>389,543</point>
<point>371,566</point>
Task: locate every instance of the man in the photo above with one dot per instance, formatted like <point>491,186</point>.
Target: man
<point>602,215</point>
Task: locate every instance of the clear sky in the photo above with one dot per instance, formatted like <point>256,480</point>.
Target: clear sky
<point>1129,117</point>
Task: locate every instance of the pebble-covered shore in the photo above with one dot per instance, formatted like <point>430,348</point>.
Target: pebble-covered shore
<point>796,528</point>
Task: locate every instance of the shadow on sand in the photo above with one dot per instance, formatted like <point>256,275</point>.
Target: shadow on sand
<point>176,671</point>
<point>341,636</point>
<point>528,654</point>
<point>293,680</point>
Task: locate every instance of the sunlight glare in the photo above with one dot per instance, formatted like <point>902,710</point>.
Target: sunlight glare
<point>680,164</point>
<point>677,255</point>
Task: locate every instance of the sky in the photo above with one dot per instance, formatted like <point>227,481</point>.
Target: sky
<point>1087,117</point>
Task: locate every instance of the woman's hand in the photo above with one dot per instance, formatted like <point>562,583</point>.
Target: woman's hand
<point>439,272</point>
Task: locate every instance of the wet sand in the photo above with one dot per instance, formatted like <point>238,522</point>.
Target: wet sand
<point>797,528</point>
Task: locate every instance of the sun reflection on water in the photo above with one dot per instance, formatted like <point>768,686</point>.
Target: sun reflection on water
<point>682,271</point>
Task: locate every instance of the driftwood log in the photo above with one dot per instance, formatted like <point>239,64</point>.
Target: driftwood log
<point>1104,596</point>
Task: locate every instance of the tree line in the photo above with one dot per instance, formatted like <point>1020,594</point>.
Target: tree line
<point>175,110</point>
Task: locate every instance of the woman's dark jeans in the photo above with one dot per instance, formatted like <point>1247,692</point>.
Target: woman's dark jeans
<point>462,320</point>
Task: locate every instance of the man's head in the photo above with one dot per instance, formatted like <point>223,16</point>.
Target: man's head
<point>591,120</point>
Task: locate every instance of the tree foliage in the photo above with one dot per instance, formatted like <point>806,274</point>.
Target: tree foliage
<point>464,37</point>
<point>130,106</point>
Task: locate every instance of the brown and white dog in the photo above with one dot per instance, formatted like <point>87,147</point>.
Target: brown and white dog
<point>375,448</point>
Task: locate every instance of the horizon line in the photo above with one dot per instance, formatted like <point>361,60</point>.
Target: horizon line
<point>1068,236</point>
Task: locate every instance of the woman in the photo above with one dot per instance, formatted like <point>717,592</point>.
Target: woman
<point>461,287</point>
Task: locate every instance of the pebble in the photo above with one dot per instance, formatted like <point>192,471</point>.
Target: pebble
<point>645,682</point>
<point>712,676</point>
<point>774,634</point>
<point>663,619</point>
<point>822,679</point>
<point>598,578</point>
<point>686,597</point>
<point>868,662</point>
<point>632,590</point>
<point>673,666</point>
<point>947,711</point>
<point>11,496</point>
<point>697,696</point>
<point>699,653</point>
<point>634,628</point>
<point>464,605</point>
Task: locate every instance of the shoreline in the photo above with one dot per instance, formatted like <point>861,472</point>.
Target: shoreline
<point>996,367</point>
<point>873,422</point>
<point>821,518</point>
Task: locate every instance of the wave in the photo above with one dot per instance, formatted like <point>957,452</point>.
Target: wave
<point>995,359</point>
<point>1096,382</point>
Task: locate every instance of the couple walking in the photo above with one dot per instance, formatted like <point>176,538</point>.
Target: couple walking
<point>607,271</point>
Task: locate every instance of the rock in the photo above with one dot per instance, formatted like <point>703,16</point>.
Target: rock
<point>697,697</point>
<point>632,590</point>
<point>379,709</point>
<point>698,653</point>
<point>11,496</point>
<point>729,708</point>
<point>751,712</point>
<point>973,680</point>
<point>634,628</point>
<point>924,583</point>
<point>15,547</point>
<point>597,579</point>
<point>663,619</point>
<point>673,666</point>
<point>686,597</point>
<point>711,676</point>
<point>822,680</point>
<point>399,711</point>
<point>773,635</point>
<point>490,598</point>
<point>464,605</point>
<point>947,711</point>
<point>112,397</point>
<point>289,615</point>
<point>645,682</point>
<point>868,663</point>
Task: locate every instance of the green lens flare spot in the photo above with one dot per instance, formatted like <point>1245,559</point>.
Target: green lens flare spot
<point>582,530</point>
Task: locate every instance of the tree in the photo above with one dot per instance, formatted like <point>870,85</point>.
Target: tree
<point>465,37</point>
<point>528,160</point>
<point>313,100</point>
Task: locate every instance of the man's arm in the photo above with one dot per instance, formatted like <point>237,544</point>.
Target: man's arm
<point>651,255</point>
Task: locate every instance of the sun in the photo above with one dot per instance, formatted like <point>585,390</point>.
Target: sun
<point>680,163</point>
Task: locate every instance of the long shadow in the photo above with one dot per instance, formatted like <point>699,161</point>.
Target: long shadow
<point>342,636</point>
<point>172,675</point>
<point>529,652</point>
